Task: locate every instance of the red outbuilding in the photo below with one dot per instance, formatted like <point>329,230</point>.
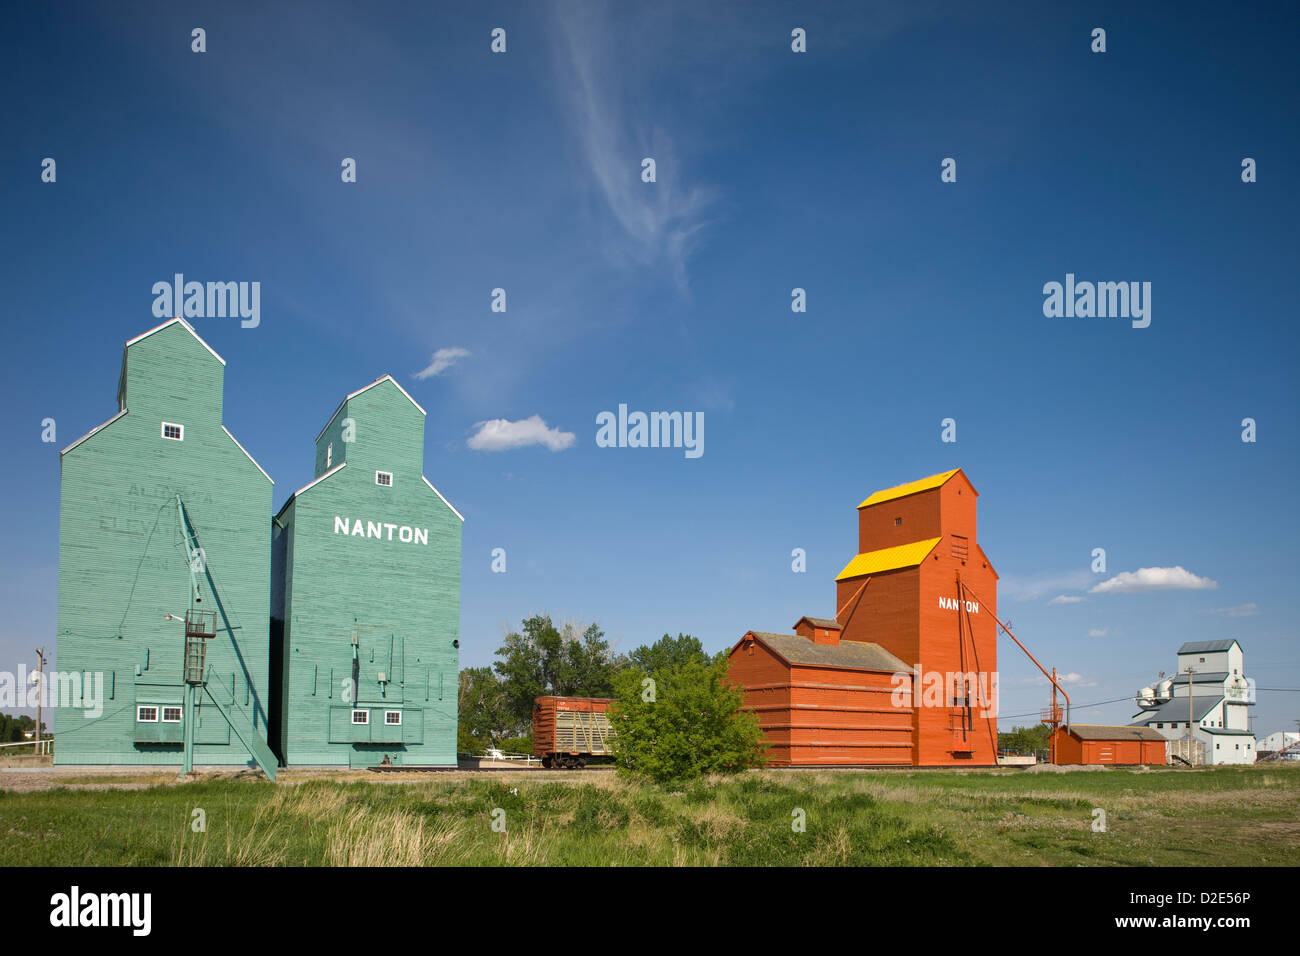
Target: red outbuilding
<point>1099,744</point>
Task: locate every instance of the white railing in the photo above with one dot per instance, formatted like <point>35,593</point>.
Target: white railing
<point>41,746</point>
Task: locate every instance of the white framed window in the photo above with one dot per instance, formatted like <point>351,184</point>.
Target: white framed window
<point>329,455</point>
<point>146,714</point>
<point>171,715</point>
<point>384,478</point>
<point>393,717</point>
<point>361,716</point>
<point>173,431</point>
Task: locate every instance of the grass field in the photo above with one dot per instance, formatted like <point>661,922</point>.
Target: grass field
<point>1247,816</point>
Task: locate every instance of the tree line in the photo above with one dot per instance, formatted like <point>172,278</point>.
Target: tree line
<point>675,715</point>
<point>12,727</point>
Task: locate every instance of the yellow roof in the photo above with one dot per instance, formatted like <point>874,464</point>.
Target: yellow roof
<point>888,559</point>
<point>911,488</point>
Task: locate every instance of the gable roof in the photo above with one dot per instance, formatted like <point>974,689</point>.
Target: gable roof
<point>1175,710</point>
<point>1204,647</point>
<point>910,488</point>
<point>1208,677</point>
<point>1106,732</point>
<point>382,378</point>
<point>822,622</point>
<point>888,559</point>
<point>444,500</point>
<point>315,481</point>
<point>170,322</point>
<point>851,655</point>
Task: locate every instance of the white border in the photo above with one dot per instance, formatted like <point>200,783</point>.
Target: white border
<point>360,723</point>
<point>162,431</point>
<point>157,713</point>
<point>169,323</point>
<point>380,483</point>
<point>92,431</point>
<point>383,378</point>
<point>245,451</point>
<point>444,500</point>
<point>388,713</point>
<point>339,467</point>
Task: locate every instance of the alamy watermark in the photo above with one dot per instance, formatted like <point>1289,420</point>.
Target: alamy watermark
<point>81,689</point>
<point>211,300</point>
<point>652,430</point>
<point>1102,300</point>
<point>977,690</point>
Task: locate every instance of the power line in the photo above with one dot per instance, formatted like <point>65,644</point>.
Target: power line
<point>1072,707</point>
<point>1100,703</point>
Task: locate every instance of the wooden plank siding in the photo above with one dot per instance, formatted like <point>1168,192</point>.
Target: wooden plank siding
<point>824,714</point>
<point>123,565</point>
<point>400,599</point>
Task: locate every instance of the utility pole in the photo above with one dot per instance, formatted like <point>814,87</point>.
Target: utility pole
<point>40,692</point>
<point>1191,699</point>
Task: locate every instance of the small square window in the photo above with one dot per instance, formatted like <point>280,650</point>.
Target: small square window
<point>384,478</point>
<point>897,522</point>
<point>146,715</point>
<point>393,717</point>
<point>171,715</point>
<point>173,431</point>
<point>361,716</point>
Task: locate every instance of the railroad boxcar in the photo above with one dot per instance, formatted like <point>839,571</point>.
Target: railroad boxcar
<point>569,731</point>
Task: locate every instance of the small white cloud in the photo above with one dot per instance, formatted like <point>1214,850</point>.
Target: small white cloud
<point>442,360</point>
<point>1077,679</point>
<point>1099,632</point>
<point>1066,599</point>
<point>1154,579</point>
<point>500,434</point>
<point>1241,610</point>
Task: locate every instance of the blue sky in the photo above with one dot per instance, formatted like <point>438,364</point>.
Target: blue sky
<point>775,170</point>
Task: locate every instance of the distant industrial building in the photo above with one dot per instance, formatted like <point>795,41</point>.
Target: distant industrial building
<point>1210,694</point>
<point>1283,745</point>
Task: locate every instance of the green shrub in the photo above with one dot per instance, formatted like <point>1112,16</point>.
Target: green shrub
<point>692,724</point>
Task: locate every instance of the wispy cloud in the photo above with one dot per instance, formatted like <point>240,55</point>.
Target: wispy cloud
<point>1176,578</point>
<point>1099,632</point>
<point>1032,587</point>
<point>1241,610</point>
<point>442,360</point>
<point>500,434</point>
<point>659,221</point>
<point>1067,599</point>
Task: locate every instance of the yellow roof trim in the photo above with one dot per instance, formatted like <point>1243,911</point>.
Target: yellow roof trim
<point>888,559</point>
<point>911,488</point>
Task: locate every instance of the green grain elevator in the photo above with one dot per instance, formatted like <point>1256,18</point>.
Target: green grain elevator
<point>365,606</point>
<point>159,506</point>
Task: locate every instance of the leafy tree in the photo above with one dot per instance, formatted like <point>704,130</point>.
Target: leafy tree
<point>517,745</point>
<point>667,652</point>
<point>484,718</point>
<point>541,660</point>
<point>12,727</point>
<point>1025,739</point>
<point>693,726</point>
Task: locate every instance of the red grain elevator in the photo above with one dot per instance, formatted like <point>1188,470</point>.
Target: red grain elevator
<point>921,591</point>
